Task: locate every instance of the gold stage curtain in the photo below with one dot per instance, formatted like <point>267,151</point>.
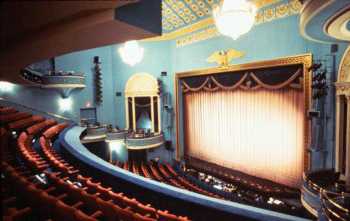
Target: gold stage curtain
<point>259,132</point>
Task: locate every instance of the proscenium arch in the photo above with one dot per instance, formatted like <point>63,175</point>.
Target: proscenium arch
<point>304,59</point>
<point>342,150</point>
<point>142,85</point>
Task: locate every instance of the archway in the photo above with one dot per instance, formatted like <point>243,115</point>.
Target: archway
<point>342,160</point>
<point>142,103</point>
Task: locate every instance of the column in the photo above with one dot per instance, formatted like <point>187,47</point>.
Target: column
<point>127,113</point>
<point>347,160</point>
<point>159,115</point>
<point>152,113</point>
<point>133,114</point>
<point>337,134</point>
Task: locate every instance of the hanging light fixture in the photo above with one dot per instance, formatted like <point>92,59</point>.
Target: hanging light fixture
<point>234,17</point>
<point>131,53</point>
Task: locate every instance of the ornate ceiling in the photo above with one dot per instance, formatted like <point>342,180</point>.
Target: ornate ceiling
<point>326,21</point>
<point>191,21</point>
<point>180,13</point>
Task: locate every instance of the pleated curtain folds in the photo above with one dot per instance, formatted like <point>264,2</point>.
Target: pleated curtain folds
<point>259,132</point>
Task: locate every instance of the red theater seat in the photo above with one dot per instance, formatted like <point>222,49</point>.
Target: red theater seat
<point>13,117</point>
<point>127,214</point>
<point>139,217</point>
<point>17,215</point>
<point>35,129</point>
<point>111,211</point>
<point>79,215</point>
<point>64,212</point>
<point>146,210</point>
<point>26,122</point>
<point>7,110</point>
<point>166,216</point>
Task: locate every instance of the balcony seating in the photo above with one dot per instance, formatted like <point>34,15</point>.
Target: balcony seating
<point>26,122</point>
<point>54,159</point>
<point>7,110</point>
<point>37,128</point>
<point>54,131</point>
<point>6,118</point>
<point>12,207</point>
<point>60,197</point>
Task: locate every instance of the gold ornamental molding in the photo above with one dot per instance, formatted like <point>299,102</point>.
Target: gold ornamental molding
<point>343,88</point>
<point>344,67</point>
<point>336,25</point>
<point>224,57</point>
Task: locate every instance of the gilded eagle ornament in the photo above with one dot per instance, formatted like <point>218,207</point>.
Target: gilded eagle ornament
<point>224,57</point>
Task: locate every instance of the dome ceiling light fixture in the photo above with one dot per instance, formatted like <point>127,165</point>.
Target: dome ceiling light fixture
<point>131,53</point>
<point>234,18</point>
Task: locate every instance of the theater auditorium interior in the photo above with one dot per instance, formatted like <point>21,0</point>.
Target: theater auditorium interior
<point>175,110</point>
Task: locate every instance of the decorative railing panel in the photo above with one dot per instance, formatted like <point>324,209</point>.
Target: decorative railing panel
<point>145,143</point>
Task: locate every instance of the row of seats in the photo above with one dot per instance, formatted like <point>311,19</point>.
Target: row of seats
<point>163,173</point>
<point>12,207</point>
<point>239,179</point>
<point>26,122</point>
<point>12,117</point>
<point>130,206</point>
<point>7,110</point>
<point>37,128</point>
<point>67,194</point>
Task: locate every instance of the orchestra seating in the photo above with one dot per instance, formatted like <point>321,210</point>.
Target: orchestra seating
<point>249,182</point>
<point>241,192</point>
<point>163,173</point>
<point>40,184</point>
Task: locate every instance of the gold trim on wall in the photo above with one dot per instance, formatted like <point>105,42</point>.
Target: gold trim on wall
<point>304,59</point>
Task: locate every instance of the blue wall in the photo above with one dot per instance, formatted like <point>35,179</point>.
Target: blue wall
<point>157,58</point>
<point>83,62</point>
<point>274,39</point>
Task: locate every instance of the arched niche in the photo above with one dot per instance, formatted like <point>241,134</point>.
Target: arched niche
<point>343,118</point>
<point>142,103</point>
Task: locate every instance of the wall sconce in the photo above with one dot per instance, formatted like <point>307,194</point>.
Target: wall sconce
<point>65,104</point>
<point>6,86</point>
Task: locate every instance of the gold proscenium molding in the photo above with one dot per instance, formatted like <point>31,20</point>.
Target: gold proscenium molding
<point>224,57</point>
<point>305,60</point>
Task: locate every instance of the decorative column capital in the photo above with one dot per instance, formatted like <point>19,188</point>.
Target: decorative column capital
<point>343,88</point>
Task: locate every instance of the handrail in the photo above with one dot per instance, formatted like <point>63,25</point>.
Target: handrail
<point>57,116</point>
<point>331,201</point>
<point>327,200</point>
